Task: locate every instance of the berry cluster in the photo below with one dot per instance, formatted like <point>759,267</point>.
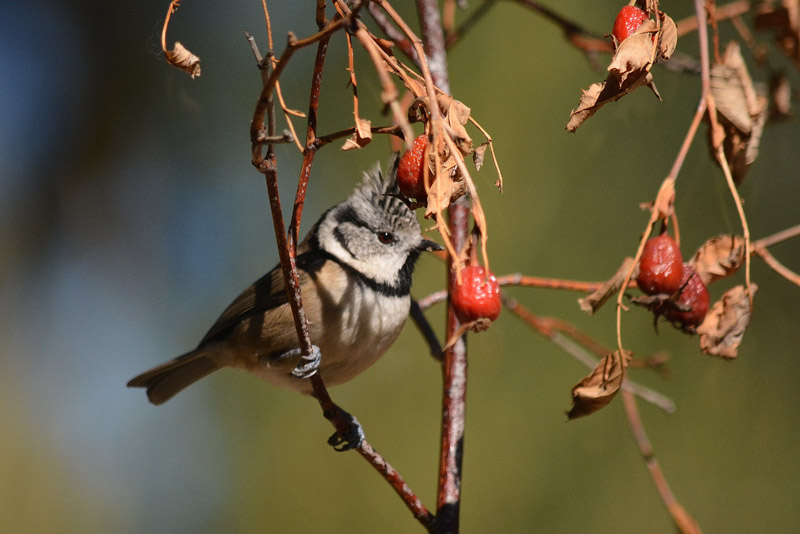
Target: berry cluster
<point>678,292</point>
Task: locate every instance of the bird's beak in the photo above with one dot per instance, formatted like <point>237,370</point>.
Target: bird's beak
<point>427,244</point>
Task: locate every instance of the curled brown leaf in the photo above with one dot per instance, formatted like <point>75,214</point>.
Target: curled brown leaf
<point>601,386</point>
<point>719,257</point>
<point>361,136</point>
<point>668,39</point>
<point>181,58</point>
<point>611,287</point>
<point>634,55</point>
<point>724,326</point>
<point>741,111</point>
<point>478,155</point>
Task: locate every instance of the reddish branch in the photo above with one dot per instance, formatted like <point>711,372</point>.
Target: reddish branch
<point>267,164</point>
<point>579,37</point>
<point>448,497</point>
<point>683,520</point>
<point>518,279</point>
<point>549,328</point>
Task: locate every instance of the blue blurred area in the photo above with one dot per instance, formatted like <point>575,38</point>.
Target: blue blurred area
<point>130,216</point>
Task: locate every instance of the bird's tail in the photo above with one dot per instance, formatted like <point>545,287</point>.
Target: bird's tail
<point>166,380</point>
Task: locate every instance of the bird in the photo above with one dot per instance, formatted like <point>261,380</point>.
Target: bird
<point>354,268</point>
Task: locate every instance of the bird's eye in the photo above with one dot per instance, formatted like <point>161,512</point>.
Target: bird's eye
<point>385,237</point>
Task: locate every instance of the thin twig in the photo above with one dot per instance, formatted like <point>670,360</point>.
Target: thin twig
<point>687,141</point>
<point>734,9</point>
<point>517,279</point>
<point>683,520</point>
<point>742,218</point>
<point>267,165</point>
<point>457,34</point>
<point>582,39</point>
<point>777,266</point>
<point>413,503</point>
<point>391,31</point>
<point>311,135</point>
<point>323,140</point>
<point>426,330</point>
<point>562,334</point>
<point>778,237</point>
<point>293,44</point>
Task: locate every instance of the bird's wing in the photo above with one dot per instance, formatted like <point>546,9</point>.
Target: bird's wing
<point>265,294</point>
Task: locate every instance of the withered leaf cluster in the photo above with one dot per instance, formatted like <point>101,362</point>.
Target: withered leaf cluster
<point>720,333</point>
<point>741,111</point>
<point>629,68</point>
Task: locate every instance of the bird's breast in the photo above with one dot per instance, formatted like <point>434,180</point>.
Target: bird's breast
<point>358,325</point>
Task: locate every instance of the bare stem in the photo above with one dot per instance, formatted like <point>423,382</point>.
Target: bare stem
<point>778,237</point>
<point>683,520</point>
<point>400,486</point>
<point>562,333</point>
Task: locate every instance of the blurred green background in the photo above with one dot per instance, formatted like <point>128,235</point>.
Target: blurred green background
<point>130,216</point>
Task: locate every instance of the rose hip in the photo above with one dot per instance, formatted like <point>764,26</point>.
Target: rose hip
<point>661,266</point>
<point>410,178</point>
<point>478,296</point>
<point>690,308</point>
<point>627,22</point>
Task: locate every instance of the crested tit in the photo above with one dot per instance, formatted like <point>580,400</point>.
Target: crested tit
<point>354,268</point>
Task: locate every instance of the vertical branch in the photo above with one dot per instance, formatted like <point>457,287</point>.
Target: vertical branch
<point>455,358</point>
<point>310,149</point>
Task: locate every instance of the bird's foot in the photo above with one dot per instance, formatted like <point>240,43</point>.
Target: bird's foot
<point>352,438</point>
<point>309,363</point>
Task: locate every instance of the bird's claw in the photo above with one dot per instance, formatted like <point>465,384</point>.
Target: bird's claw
<point>352,438</point>
<point>309,363</point>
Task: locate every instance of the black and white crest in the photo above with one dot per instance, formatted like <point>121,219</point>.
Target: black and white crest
<point>374,233</point>
<point>378,192</point>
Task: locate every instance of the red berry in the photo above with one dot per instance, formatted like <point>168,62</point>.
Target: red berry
<point>628,20</point>
<point>661,266</point>
<point>692,304</point>
<point>410,171</point>
<point>477,297</point>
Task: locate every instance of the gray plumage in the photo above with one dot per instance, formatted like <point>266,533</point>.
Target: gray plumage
<point>355,269</point>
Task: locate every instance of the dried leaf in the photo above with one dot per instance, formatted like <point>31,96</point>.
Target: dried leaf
<point>668,39</point>
<point>733,90</point>
<point>457,116</point>
<point>629,70</point>
<point>741,111</point>
<point>478,155</point>
<point>719,257</point>
<point>600,94</point>
<point>724,325</point>
<point>587,106</point>
<point>664,204</point>
<point>634,56</point>
<point>611,287</point>
<point>361,137</point>
<point>181,58</point>
<point>599,388</point>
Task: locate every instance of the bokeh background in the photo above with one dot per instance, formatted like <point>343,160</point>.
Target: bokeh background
<point>130,216</point>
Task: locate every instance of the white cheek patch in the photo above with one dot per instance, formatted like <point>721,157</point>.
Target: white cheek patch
<point>383,268</point>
